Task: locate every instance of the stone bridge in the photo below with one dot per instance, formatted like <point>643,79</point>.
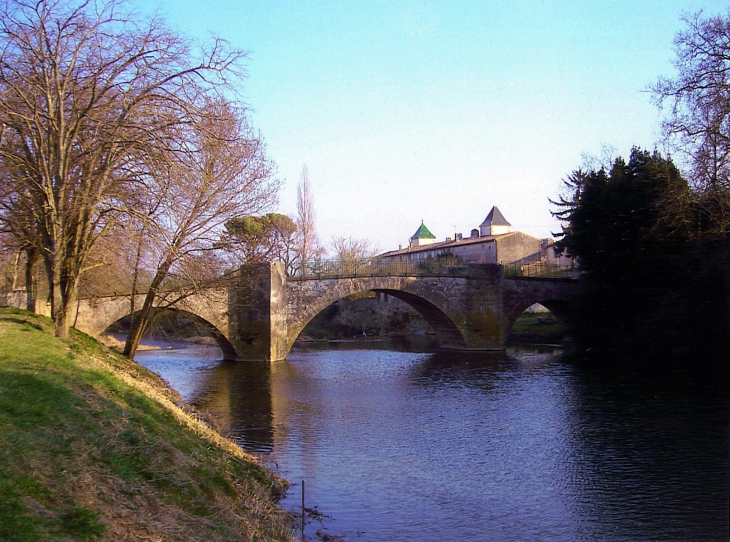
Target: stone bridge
<point>208,309</point>
<point>470,307</point>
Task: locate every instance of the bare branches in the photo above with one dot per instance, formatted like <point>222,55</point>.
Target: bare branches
<point>698,120</point>
<point>211,170</point>
<point>87,94</point>
<point>308,244</point>
<point>351,250</point>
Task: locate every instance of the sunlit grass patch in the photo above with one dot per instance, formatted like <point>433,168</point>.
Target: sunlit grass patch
<point>92,447</point>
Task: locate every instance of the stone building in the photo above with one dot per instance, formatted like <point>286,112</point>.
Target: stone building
<point>493,242</point>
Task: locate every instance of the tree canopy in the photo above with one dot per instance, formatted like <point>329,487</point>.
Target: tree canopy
<point>91,98</point>
<point>650,279</point>
<point>697,121</point>
<point>262,238</point>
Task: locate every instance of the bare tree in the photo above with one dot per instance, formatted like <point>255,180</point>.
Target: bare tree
<point>308,246</point>
<point>84,89</point>
<point>353,253</point>
<point>697,126</point>
<point>18,226</point>
<point>217,171</point>
<point>698,120</point>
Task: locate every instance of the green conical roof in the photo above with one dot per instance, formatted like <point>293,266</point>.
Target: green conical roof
<point>423,233</point>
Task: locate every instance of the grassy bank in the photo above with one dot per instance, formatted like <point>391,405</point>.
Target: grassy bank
<point>95,447</point>
<point>537,328</point>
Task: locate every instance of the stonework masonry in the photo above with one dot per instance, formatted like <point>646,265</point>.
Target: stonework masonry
<point>469,307</point>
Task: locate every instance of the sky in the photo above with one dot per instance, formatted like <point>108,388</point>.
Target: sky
<point>406,111</point>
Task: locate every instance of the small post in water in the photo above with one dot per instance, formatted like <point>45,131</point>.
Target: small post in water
<point>302,509</point>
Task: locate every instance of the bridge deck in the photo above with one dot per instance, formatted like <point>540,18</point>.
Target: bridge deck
<point>337,269</point>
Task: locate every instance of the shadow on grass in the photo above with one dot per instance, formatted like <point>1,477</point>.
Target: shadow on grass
<point>21,321</point>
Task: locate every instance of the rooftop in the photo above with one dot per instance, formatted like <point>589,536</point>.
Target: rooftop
<point>495,218</point>
<point>423,233</point>
<point>450,243</point>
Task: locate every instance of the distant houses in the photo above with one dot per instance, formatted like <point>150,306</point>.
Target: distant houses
<point>493,242</point>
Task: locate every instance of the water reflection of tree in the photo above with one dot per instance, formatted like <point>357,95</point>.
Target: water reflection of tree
<point>651,443</point>
<point>239,396</point>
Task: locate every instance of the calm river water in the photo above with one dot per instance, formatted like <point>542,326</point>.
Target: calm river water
<point>404,446</point>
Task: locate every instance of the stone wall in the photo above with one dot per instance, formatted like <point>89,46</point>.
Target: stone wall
<point>375,315</point>
<point>518,247</point>
<point>463,305</point>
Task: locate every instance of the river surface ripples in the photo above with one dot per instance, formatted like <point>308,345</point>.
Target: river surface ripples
<point>402,446</point>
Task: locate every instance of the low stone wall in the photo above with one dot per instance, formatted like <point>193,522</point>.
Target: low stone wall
<point>13,299</point>
<point>376,315</point>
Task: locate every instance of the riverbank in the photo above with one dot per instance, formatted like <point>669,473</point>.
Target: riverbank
<point>537,328</point>
<point>95,447</point>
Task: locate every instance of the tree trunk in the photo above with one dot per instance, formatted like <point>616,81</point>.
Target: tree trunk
<point>142,322</point>
<point>59,312</point>
<point>140,325</point>
<point>14,283</point>
<point>64,291</point>
<point>58,308</point>
<point>31,258</point>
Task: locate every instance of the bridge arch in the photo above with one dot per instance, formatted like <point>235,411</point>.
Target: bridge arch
<point>524,292</point>
<point>447,332</point>
<point>464,304</point>
<point>229,352</point>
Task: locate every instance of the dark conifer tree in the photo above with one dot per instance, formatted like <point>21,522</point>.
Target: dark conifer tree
<point>650,281</point>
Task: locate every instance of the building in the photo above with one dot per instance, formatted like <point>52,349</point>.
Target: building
<point>493,242</point>
<point>549,256</point>
<point>422,237</point>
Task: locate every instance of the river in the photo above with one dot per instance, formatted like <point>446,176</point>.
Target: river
<point>400,445</point>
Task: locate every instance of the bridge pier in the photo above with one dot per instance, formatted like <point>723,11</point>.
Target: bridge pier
<point>257,313</point>
<point>469,307</point>
<point>475,303</point>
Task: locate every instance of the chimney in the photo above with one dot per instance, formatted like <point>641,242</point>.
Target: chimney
<point>457,237</point>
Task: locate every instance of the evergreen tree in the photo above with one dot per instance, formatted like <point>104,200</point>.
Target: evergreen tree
<point>649,281</point>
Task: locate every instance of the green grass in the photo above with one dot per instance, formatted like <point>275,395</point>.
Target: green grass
<point>537,328</point>
<point>91,448</point>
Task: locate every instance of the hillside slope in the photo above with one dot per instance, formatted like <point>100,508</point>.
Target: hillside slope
<point>95,447</point>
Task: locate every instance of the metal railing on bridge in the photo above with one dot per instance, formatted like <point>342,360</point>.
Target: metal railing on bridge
<point>373,267</point>
<point>541,270</point>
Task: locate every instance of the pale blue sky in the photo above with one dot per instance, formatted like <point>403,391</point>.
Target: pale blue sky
<point>407,111</point>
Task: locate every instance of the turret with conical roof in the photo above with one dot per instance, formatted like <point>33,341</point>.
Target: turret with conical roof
<point>422,237</point>
<point>494,224</point>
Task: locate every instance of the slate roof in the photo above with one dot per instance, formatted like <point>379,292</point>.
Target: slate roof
<point>495,218</point>
<point>423,233</point>
<point>448,245</point>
